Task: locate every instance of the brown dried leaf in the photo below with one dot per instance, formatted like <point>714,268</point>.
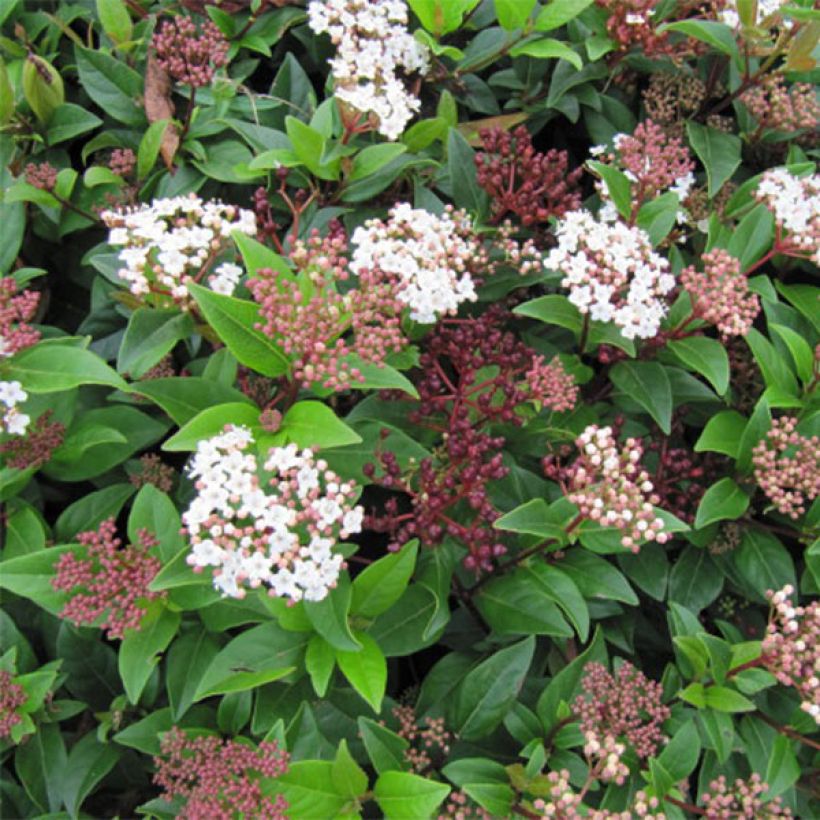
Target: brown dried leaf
<point>158,106</point>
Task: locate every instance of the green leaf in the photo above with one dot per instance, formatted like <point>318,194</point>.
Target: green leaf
<point>783,769</point>
<point>329,617</point>
<point>88,763</point>
<point>184,398</point>
<point>597,578</point>
<point>384,747</point>
<point>257,256</point>
<point>533,518</point>
<point>554,310</point>
<point>69,121</point>
<point>752,237</point>
<point>723,500</point>
<point>467,193</point>
<point>724,699</point>
<point>564,686</point>
<point>111,84</point>
<point>548,48</point>
<point>88,512</point>
<point>366,670</point>
<point>695,580</point>
<point>373,158</point>
<point>718,151</point>
<point>187,660</point>
<point>617,184</point>
<point>680,756</point>
<point>381,584</point>
<point>154,511</point>
<point>40,764</point>
<point>558,13</point>
<point>648,385</point>
<point>313,424</point>
<point>42,86</point>
<point>30,576</point>
<point>720,732</point>
<point>512,14</point>
<point>140,648</point>
<point>320,660</point>
<point>658,216</point>
<point>309,789</point>
<point>149,146</point>
<point>486,694</point>
<point>705,356</point>
<point>517,604</point>
<point>348,776</point>
<point>717,35</point>
<point>51,368</point>
<point>722,434</point>
<point>149,336</point>
<point>212,422</point>
<point>441,16</point>
<point>804,299</point>
<point>234,322</point>
<point>406,796</point>
<point>563,590</point>
<point>116,21</point>
<point>800,350</point>
<point>763,562</point>
<point>309,146</point>
<point>259,655</point>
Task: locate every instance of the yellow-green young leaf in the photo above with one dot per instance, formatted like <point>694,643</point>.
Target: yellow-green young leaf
<point>723,500</point>
<point>366,670</point>
<point>724,699</point>
<point>371,159</point>
<point>546,49</point>
<point>313,424</point>
<point>348,777</point>
<point>42,87</point>
<point>6,94</point>
<point>381,584</point>
<point>405,795</point>
<point>512,14</point>
<point>558,13</point>
<point>210,423</point>
<point>116,21</point>
<point>149,147</point>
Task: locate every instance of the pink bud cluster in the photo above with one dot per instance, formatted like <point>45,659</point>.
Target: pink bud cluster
<point>12,697</point>
<point>42,176</point>
<point>551,386</point>
<point>626,707</point>
<point>609,486</point>
<point>34,448</point>
<point>320,327</point>
<point>220,779</point>
<point>474,372</point>
<point>122,162</point>
<point>654,162</point>
<point>429,745</point>
<point>109,587</point>
<point>189,54</point>
<point>778,106</point>
<point>741,801</point>
<point>787,467</point>
<point>17,309</point>
<point>612,273</point>
<point>791,648</point>
<point>460,806</point>
<point>153,471</point>
<point>605,756</point>
<point>795,204</point>
<point>281,535</point>
<point>523,181</point>
<point>720,295</point>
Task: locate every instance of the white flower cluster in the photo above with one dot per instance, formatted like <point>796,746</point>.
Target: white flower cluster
<point>765,8</point>
<point>429,255</point>
<point>281,532</point>
<point>795,203</point>
<point>612,273</point>
<point>373,50</point>
<point>165,244</point>
<point>12,421</point>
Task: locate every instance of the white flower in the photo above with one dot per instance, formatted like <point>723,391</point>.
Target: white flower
<point>16,422</point>
<point>429,255</point>
<point>12,393</point>
<point>374,50</point>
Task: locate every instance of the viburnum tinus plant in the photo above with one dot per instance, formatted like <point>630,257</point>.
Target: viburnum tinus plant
<point>409,408</point>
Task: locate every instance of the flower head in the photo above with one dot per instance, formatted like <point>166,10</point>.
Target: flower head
<point>110,586</point>
<point>742,800</point>
<point>190,54</point>
<point>12,697</point>
<point>374,50</point>
<point>279,532</point>
<point>17,309</point>
<point>220,779</point>
<point>169,244</point>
